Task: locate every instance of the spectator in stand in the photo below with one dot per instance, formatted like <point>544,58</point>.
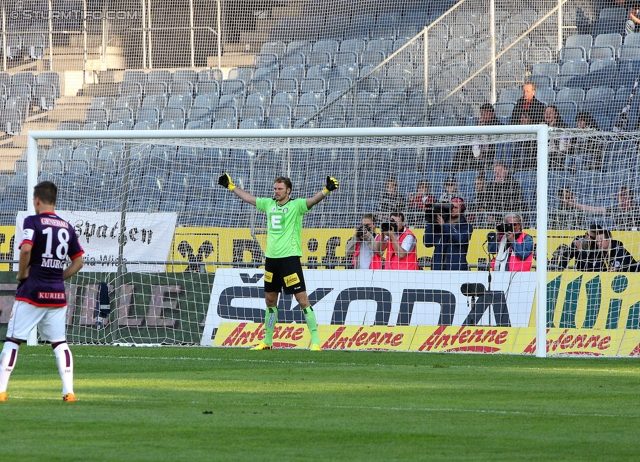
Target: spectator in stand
<point>566,215</point>
<point>511,245</point>
<point>400,244</point>
<point>420,202</point>
<point>504,194</point>
<point>585,153</point>
<point>364,248</point>
<point>478,156</point>
<point>557,147</point>
<point>477,210</point>
<point>390,200</point>
<point>450,236</point>
<point>626,213</point>
<point>631,26</point>
<point>450,189</point>
<point>422,196</point>
<point>528,105</point>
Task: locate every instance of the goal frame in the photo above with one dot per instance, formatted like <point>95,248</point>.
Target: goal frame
<point>541,131</point>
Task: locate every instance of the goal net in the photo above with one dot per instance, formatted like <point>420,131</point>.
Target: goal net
<point>183,258</point>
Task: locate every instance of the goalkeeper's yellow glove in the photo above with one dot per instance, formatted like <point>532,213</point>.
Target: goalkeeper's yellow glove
<point>226,181</point>
<point>332,184</point>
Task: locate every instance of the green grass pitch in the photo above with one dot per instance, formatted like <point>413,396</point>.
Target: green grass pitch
<point>191,404</point>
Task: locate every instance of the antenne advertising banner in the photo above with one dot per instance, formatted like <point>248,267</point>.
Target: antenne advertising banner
<point>378,298</point>
<point>147,238</point>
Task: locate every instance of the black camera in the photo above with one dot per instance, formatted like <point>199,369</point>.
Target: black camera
<point>387,225</point>
<point>432,210</point>
<point>492,237</point>
<point>362,230</point>
<point>504,227</point>
<point>585,244</point>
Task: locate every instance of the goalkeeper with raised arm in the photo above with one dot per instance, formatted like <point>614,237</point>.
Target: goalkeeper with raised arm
<point>283,270</point>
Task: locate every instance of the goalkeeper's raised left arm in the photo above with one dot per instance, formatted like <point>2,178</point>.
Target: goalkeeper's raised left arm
<point>332,185</point>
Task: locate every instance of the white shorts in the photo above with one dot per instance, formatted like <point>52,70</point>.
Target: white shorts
<point>51,322</point>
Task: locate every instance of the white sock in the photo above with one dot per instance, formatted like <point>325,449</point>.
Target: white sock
<point>8,359</point>
<point>64,360</point>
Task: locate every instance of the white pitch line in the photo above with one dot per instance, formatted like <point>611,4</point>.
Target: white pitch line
<point>363,408</point>
<point>184,358</point>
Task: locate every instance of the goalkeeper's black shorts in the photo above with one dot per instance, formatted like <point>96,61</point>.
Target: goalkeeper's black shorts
<point>284,273</point>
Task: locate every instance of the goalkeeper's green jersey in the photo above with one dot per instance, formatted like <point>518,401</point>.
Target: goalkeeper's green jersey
<point>284,226</point>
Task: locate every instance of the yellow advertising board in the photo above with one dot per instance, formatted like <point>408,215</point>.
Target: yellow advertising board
<point>324,247</point>
<point>244,334</point>
<point>464,339</point>
<point>592,300</point>
<point>396,338</point>
<point>572,342</point>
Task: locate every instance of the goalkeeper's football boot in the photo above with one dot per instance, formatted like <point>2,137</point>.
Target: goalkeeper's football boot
<point>69,398</point>
<point>315,347</point>
<point>3,396</point>
<point>262,346</point>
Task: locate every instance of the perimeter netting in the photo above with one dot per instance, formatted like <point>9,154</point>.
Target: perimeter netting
<point>181,227</point>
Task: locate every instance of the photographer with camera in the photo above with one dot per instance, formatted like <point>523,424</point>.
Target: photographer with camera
<point>400,244</point>
<point>514,248</point>
<point>364,249</point>
<point>595,251</point>
<point>448,231</point>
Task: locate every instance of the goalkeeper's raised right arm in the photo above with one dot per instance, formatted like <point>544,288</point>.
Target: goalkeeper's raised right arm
<point>226,182</point>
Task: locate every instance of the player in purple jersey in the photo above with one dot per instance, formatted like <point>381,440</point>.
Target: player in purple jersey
<point>47,242</point>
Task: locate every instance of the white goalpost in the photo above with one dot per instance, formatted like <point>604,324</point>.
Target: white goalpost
<point>346,139</point>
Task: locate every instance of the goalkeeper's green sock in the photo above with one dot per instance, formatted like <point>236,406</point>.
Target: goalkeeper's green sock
<point>312,325</point>
<point>270,320</point>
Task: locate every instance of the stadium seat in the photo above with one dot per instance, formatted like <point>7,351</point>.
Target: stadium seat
<point>267,73</point>
<point>208,75</point>
<point>296,72</point>
<point>262,86</point>
<point>123,114</point>
<point>155,88</point>
<point>186,74</point>
<point>299,46</point>
<point>293,59</point>
<point>234,87</point>
<point>159,75</point>
<point>286,86</point>
<point>546,95</point>
<point>145,126</point>
<point>257,99</point>
<point>155,101</point>
<point>181,87</point>
<point>319,72</point>
<point>288,99</point>
<point>251,112</point>
<point>208,87</point>
<point>149,114</point>
<point>278,48</point>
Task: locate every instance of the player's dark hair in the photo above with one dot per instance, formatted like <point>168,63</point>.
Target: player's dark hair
<point>285,180</point>
<point>397,214</point>
<point>596,228</point>
<point>47,192</point>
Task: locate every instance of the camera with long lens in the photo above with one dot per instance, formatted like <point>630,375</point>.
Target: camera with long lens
<point>586,244</point>
<point>504,227</point>
<point>361,231</point>
<point>387,225</point>
<point>444,210</point>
